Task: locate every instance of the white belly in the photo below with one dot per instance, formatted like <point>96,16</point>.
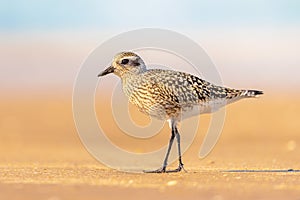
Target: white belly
<point>207,107</point>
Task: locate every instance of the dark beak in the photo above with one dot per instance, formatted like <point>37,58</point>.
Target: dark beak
<point>108,70</point>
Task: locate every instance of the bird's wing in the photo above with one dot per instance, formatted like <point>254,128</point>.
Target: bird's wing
<point>183,89</point>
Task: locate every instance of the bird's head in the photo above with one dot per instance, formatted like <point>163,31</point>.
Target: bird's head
<point>124,63</point>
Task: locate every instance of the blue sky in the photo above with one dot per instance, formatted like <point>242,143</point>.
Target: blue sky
<point>52,38</point>
<point>18,15</point>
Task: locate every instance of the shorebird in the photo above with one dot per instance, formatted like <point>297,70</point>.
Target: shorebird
<point>170,95</point>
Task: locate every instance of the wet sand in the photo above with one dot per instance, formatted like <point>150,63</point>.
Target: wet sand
<point>256,157</point>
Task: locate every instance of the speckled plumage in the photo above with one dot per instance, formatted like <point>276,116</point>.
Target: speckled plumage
<point>170,95</point>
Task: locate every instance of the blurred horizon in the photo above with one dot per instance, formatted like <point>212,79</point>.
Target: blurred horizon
<point>67,14</point>
<point>253,44</point>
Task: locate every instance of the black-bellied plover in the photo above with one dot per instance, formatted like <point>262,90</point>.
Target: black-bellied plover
<point>170,95</point>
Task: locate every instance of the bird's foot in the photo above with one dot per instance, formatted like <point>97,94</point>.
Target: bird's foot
<point>179,168</point>
<point>163,170</point>
<point>160,170</point>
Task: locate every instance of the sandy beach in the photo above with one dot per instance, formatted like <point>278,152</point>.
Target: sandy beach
<point>256,157</point>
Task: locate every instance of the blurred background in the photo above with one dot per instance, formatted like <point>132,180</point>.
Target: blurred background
<point>254,44</point>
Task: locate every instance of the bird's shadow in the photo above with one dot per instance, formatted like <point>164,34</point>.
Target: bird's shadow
<point>261,171</point>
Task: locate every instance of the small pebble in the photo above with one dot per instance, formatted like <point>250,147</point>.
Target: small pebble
<point>217,197</point>
<point>54,198</point>
<point>171,183</point>
<point>291,145</point>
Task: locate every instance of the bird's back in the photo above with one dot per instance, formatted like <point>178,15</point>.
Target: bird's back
<point>166,94</point>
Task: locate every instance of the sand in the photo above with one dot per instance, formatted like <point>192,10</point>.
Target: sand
<point>257,156</point>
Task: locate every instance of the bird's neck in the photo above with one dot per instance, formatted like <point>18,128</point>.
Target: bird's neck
<point>132,73</point>
<point>130,82</point>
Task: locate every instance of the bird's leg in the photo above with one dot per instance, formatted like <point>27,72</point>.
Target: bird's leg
<point>163,169</point>
<point>180,165</point>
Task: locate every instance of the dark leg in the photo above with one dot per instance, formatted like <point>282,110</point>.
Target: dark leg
<point>169,149</point>
<point>180,165</point>
<point>163,169</point>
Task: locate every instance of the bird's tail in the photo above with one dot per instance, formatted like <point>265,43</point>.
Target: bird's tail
<point>252,93</point>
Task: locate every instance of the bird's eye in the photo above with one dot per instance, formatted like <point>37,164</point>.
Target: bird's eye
<point>124,61</point>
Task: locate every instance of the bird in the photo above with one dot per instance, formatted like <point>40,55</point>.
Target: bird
<point>170,95</point>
